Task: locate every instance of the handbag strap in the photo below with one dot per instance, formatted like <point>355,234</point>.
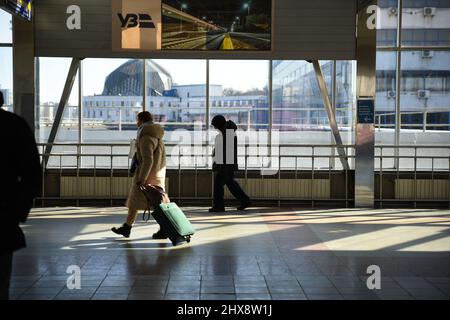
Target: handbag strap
<point>144,214</point>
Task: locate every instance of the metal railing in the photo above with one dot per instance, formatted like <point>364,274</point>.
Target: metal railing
<point>279,162</point>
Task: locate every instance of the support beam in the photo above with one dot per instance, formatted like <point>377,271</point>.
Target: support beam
<point>398,84</point>
<point>80,104</point>
<point>331,114</point>
<point>61,107</point>
<point>144,85</point>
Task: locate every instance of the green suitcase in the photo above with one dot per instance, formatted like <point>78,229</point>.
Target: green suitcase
<point>173,222</point>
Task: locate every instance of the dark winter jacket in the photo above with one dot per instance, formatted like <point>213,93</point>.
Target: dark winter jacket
<point>226,140</point>
<point>20,178</point>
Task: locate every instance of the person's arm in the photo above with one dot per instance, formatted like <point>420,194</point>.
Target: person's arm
<point>29,169</point>
<point>147,146</point>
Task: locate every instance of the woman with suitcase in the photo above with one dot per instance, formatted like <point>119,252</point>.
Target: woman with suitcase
<point>151,169</point>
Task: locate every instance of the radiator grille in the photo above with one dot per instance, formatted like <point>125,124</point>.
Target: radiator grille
<point>96,187</point>
<point>423,189</point>
<point>285,188</point>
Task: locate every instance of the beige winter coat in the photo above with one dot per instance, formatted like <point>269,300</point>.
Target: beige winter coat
<point>151,155</point>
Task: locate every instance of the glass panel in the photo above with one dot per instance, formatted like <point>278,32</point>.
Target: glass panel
<point>298,104</point>
<point>5,27</point>
<point>69,127</point>
<point>387,23</point>
<point>426,23</point>
<point>385,98</point>
<point>425,97</point>
<point>6,77</point>
<point>345,98</point>
<point>299,113</point>
<point>176,95</point>
<point>51,74</point>
<point>239,91</point>
<point>112,97</point>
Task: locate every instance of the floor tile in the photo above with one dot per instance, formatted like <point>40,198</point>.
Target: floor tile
<point>210,296</point>
<point>227,289</point>
<point>252,296</point>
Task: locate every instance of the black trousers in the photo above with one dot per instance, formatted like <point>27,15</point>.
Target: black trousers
<point>226,177</point>
<point>5,274</point>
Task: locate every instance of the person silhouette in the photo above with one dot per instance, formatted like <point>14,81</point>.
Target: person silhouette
<point>20,173</point>
<point>225,164</point>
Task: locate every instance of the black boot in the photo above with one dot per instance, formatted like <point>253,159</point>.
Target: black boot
<point>244,205</point>
<point>159,235</point>
<point>124,230</point>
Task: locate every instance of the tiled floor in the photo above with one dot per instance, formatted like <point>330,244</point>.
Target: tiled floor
<point>263,253</point>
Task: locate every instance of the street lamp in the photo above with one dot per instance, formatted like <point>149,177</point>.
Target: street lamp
<point>247,6</point>
<point>182,6</point>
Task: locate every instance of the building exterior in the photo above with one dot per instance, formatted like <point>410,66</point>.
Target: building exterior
<point>176,105</point>
<point>7,96</point>
<point>424,66</point>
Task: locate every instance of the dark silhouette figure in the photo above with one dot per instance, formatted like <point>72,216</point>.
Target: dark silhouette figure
<point>20,173</point>
<point>225,164</point>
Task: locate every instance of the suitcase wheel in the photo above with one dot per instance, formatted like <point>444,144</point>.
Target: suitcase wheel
<point>188,239</point>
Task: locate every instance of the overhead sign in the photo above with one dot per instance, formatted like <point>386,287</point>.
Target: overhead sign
<point>136,25</point>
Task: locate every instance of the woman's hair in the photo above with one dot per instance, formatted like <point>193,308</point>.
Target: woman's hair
<point>145,116</point>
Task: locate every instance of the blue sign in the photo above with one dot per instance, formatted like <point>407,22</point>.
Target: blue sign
<point>366,111</point>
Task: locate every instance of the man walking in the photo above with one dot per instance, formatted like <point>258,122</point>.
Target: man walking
<point>225,164</point>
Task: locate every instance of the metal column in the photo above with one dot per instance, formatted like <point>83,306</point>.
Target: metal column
<point>144,85</point>
<point>398,118</point>
<point>366,82</point>
<point>61,107</point>
<point>80,103</point>
<point>208,108</point>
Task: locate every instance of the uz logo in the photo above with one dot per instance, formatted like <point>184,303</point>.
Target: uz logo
<point>132,20</point>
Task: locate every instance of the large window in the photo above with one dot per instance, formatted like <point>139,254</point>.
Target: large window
<point>6,71</point>
<point>176,95</point>
<point>420,112</point>
<point>112,97</point>
<point>5,27</point>
<point>387,21</point>
<point>6,81</point>
<point>385,100</point>
<point>51,76</point>
<point>425,96</point>
<point>298,105</point>
<point>239,90</point>
<point>426,23</point>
